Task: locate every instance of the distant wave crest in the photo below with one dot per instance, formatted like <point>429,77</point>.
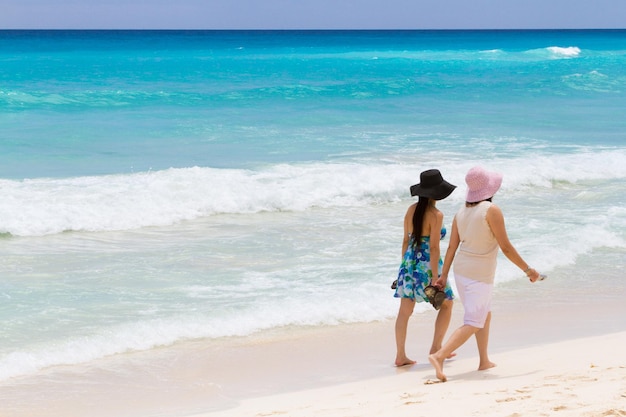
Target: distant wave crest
<point>569,52</point>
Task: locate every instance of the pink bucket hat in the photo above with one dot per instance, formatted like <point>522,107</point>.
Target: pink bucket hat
<point>481,184</point>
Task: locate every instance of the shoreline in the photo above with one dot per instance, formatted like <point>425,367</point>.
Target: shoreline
<point>228,376</point>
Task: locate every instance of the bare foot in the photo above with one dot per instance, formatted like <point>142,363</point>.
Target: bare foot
<point>438,365</point>
<point>433,350</point>
<point>404,361</point>
<point>486,365</point>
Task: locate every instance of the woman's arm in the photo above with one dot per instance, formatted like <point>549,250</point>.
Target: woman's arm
<point>408,228</point>
<point>495,219</point>
<point>435,220</point>
<point>455,241</point>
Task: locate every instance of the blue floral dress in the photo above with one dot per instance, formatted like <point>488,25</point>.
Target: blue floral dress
<point>415,273</point>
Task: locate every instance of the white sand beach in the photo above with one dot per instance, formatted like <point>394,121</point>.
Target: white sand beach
<point>578,377</point>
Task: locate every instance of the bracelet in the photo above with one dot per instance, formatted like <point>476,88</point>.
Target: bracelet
<point>527,269</point>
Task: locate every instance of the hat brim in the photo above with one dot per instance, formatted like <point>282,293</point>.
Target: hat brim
<point>438,192</point>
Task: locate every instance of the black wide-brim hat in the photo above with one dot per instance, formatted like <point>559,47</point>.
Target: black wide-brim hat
<point>432,185</point>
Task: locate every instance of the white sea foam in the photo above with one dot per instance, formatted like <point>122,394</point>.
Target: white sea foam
<point>311,310</point>
<point>595,81</point>
<point>551,205</point>
<point>568,52</point>
<point>552,52</point>
<point>36,207</point>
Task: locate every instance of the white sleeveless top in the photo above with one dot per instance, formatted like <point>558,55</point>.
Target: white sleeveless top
<point>478,250</point>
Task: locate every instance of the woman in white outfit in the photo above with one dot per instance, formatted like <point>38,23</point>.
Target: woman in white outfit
<point>478,231</point>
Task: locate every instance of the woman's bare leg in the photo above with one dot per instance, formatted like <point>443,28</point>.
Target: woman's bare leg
<point>441,325</point>
<point>460,336</point>
<point>402,322</point>
<point>482,341</point>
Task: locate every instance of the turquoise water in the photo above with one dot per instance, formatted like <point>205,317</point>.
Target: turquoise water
<point>161,186</point>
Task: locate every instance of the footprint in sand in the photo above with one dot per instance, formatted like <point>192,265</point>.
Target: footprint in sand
<point>613,413</point>
<point>506,400</point>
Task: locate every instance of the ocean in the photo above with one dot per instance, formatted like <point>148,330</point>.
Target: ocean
<point>160,187</point>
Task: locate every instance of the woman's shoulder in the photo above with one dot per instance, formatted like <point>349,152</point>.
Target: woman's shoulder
<point>491,206</point>
<point>493,211</point>
<point>435,214</point>
<point>409,213</point>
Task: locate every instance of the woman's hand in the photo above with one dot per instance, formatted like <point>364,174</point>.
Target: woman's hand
<point>532,275</point>
<point>441,282</point>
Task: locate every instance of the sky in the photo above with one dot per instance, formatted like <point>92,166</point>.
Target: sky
<point>312,14</point>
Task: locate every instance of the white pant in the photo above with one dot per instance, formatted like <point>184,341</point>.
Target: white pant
<point>476,299</point>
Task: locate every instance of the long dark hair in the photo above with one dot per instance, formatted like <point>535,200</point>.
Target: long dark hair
<point>418,220</point>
